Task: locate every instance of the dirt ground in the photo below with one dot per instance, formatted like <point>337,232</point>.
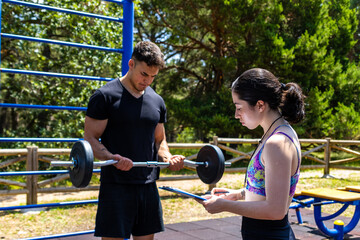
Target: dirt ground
<point>187,185</point>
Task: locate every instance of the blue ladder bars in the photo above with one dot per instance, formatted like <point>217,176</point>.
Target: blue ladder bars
<point>126,51</point>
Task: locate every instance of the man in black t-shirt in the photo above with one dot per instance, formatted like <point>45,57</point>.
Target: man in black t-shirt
<point>128,116</point>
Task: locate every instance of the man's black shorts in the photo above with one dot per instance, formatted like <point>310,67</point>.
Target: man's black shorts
<point>128,209</point>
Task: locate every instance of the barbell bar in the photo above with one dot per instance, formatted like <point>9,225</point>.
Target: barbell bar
<point>153,164</point>
<point>210,164</point>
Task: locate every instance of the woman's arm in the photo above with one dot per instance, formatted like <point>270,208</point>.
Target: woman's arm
<point>277,157</point>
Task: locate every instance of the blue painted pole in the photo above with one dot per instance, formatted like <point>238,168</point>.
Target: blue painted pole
<point>298,215</point>
<point>59,236</point>
<point>5,139</point>
<point>46,172</point>
<point>0,39</point>
<point>52,107</point>
<point>60,204</point>
<point>53,74</point>
<point>63,10</point>
<point>128,32</point>
<point>339,227</point>
<point>63,43</point>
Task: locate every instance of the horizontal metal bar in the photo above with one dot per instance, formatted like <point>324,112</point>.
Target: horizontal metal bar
<point>51,41</point>
<point>63,235</point>
<point>52,107</point>
<point>324,202</point>
<point>60,204</point>
<point>71,164</point>
<point>48,172</point>
<point>136,164</point>
<point>104,163</point>
<point>63,10</point>
<point>61,164</point>
<point>153,164</point>
<point>25,173</point>
<point>114,1</point>
<point>4,139</point>
<point>52,74</point>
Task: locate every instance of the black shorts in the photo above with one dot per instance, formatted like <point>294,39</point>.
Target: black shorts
<point>256,229</point>
<point>128,209</point>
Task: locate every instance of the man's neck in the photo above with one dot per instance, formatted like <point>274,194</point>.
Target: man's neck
<point>125,81</point>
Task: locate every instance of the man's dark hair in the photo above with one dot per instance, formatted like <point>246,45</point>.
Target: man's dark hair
<point>149,53</point>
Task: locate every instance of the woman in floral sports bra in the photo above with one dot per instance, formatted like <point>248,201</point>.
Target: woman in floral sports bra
<point>274,168</point>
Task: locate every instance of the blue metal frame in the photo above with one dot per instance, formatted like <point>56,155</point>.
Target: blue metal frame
<point>60,204</point>
<point>70,44</point>
<point>335,232</point>
<point>339,230</point>
<point>40,139</point>
<point>63,10</point>
<point>52,74</point>
<point>47,172</point>
<point>62,235</point>
<point>0,39</point>
<point>126,51</point>
<point>52,107</point>
<point>128,38</point>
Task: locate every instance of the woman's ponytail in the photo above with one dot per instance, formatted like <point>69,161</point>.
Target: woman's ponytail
<point>292,104</point>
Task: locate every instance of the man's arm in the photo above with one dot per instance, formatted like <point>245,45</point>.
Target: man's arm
<point>176,161</point>
<point>93,130</point>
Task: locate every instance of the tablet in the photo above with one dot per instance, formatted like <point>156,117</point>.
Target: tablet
<point>182,193</point>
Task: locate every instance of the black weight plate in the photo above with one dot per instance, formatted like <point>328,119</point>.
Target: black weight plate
<point>83,156</point>
<point>216,164</point>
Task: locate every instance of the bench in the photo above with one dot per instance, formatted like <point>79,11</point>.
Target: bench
<point>318,197</point>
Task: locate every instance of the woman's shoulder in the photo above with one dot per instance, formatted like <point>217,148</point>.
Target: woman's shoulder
<point>286,131</point>
<point>283,139</point>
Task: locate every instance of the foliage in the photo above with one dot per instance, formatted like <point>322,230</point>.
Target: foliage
<point>26,55</point>
<point>209,43</point>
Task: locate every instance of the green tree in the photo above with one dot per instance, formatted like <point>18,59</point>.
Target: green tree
<point>209,43</point>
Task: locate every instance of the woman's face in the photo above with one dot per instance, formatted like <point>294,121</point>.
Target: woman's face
<point>247,115</point>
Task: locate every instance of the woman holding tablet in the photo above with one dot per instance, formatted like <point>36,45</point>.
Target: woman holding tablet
<point>274,167</point>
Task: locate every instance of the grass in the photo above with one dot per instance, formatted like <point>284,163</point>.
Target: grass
<point>17,224</point>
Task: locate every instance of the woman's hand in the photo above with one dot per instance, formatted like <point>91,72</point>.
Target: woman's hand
<point>213,204</point>
<point>228,194</point>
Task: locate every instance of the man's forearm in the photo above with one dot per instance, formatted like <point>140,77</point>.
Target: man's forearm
<point>99,150</point>
<point>163,151</point>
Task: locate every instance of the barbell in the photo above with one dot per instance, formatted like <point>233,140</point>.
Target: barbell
<point>210,164</point>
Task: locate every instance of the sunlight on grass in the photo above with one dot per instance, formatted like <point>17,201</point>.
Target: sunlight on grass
<point>16,224</point>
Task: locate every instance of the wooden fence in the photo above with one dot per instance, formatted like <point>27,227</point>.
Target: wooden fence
<point>318,151</point>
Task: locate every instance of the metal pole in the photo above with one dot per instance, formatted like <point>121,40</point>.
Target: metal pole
<point>136,164</point>
<point>128,32</point>
<point>0,41</point>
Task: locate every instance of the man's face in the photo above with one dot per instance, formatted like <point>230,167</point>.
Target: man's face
<point>141,75</point>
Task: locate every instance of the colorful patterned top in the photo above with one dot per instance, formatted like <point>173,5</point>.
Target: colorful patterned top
<point>256,171</point>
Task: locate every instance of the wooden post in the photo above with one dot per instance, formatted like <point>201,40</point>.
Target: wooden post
<point>31,180</point>
<point>327,157</point>
<point>215,140</point>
